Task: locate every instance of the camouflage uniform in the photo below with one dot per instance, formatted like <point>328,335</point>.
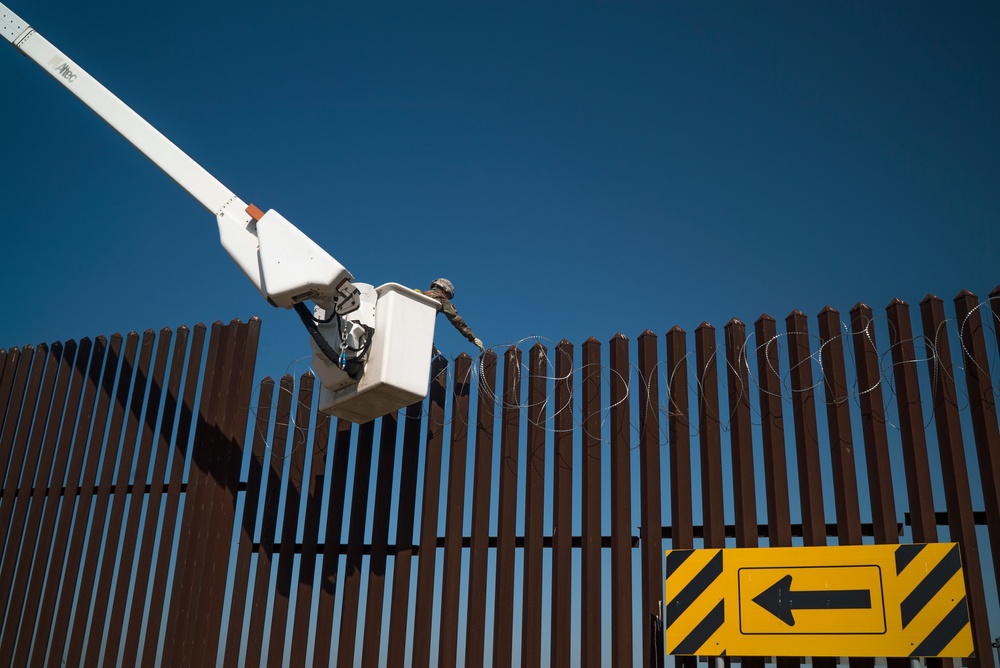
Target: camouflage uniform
<point>451,312</point>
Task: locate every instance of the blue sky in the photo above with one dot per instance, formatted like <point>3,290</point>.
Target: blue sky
<point>577,169</point>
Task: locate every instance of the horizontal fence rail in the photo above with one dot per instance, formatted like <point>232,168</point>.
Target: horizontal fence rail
<point>160,506</point>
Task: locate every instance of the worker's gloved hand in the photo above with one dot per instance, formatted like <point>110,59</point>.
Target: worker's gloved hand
<point>479,344</point>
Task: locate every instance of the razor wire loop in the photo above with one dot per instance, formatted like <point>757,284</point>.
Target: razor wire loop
<point>750,347</point>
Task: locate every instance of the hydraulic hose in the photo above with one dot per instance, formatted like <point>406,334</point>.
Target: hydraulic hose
<point>305,315</point>
<point>353,366</point>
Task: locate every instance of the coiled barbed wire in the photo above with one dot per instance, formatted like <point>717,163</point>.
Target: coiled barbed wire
<point>750,350</point>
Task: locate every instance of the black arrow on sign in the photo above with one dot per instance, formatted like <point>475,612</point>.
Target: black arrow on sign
<point>780,600</point>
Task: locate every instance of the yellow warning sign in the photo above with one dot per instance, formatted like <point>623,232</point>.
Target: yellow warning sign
<point>864,600</point>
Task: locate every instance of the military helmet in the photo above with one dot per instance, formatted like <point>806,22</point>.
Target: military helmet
<point>444,284</point>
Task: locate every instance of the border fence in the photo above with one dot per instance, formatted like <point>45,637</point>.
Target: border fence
<point>159,506</point>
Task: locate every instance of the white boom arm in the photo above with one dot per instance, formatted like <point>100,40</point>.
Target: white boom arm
<point>370,365</point>
<point>285,265</point>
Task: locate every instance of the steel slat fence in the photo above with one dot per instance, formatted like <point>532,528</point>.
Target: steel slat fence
<point>159,506</point>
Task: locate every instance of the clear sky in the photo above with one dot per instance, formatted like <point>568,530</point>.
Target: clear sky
<point>577,169</point>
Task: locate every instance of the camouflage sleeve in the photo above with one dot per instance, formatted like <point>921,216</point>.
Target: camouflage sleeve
<point>455,319</point>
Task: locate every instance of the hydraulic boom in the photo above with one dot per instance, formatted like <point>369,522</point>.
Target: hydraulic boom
<point>371,364</point>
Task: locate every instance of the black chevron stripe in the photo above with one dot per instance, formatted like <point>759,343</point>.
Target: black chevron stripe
<point>945,632</point>
<point>905,554</point>
<point>703,631</point>
<point>930,585</point>
<point>675,558</point>
<point>706,576</point>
